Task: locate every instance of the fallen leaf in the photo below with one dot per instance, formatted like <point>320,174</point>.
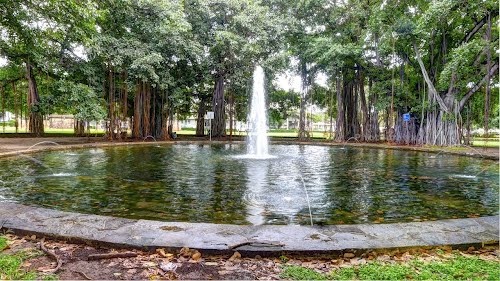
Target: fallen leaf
<point>162,253</point>
<point>349,255</point>
<point>185,252</point>
<point>235,256</point>
<point>149,264</point>
<point>196,256</point>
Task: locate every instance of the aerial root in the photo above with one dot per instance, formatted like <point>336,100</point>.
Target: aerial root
<point>52,255</point>
<point>111,256</point>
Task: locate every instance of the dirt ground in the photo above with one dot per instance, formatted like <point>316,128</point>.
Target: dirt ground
<point>79,262</point>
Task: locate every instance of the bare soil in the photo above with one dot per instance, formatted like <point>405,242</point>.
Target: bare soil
<point>188,264</point>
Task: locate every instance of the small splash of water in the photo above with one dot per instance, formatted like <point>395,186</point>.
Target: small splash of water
<point>255,157</point>
<point>42,142</point>
<point>63,175</point>
<point>149,137</point>
<point>464,176</point>
<point>56,175</point>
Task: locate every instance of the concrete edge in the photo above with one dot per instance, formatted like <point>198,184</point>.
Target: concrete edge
<point>264,240</point>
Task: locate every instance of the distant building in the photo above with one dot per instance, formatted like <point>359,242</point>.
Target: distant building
<point>57,121</point>
<point>8,116</point>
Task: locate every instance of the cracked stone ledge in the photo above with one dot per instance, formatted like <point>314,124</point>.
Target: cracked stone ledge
<point>252,240</point>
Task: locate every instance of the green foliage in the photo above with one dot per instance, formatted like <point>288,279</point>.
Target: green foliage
<point>281,105</point>
<point>83,101</point>
<point>461,64</point>
<point>180,47</point>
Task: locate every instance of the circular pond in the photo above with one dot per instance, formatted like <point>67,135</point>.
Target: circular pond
<point>210,183</point>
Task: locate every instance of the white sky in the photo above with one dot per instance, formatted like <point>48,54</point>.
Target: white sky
<point>3,61</point>
<point>291,81</point>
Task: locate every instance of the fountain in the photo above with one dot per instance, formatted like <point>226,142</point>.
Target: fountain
<point>257,142</point>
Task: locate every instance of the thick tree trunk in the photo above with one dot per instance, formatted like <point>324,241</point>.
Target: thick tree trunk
<point>2,93</point>
<point>340,126</point>
<point>231,115</point>
<point>351,103</point>
<point>302,120</point>
<point>200,120</point>
<point>35,116</point>
<point>111,105</point>
<point>137,129</point>
<point>365,115</point>
<point>146,110</point>
<point>303,134</point>
<point>488,68</point>
<point>17,106</point>
<point>79,128</point>
<point>218,107</point>
<point>124,102</point>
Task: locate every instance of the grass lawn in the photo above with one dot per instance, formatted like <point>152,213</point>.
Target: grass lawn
<point>10,264</point>
<point>457,268</point>
<point>272,133</point>
<point>476,141</point>
<point>69,132</point>
<point>482,142</point>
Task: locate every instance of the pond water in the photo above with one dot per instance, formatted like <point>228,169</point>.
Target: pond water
<point>210,183</point>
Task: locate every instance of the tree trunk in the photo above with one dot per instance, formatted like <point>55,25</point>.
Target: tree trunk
<point>146,110</point>
<point>231,116</point>
<point>136,132</point>
<point>488,68</point>
<point>365,117</point>
<point>200,120</point>
<point>17,106</point>
<point>111,105</point>
<point>340,126</point>
<point>351,104</point>
<point>218,107</point>
<point>2,93</point>
<point>79,128</point>
<point>124,101</point>
<point>164,116</point>
<point>303,134</point>
<point>35,116</point>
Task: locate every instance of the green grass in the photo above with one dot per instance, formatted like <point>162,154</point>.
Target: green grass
<point>3,243</point>
<point>486,142</point>
<point>69,132</point>
<point>301,273</point>
<point>272,133</point>
<point>10,264</point>
<point>458,268</point>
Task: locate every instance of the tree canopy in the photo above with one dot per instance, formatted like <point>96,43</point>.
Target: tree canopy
<point>143,63</point>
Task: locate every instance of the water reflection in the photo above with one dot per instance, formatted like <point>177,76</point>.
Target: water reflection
<point>203,183</point>
<point>256,183</point>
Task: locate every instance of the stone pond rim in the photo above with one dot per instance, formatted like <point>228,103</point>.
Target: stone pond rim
<point>264,240</point>
<point>249,240</point>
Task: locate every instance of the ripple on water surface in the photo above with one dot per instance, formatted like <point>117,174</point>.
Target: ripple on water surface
<point>217,183</point>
